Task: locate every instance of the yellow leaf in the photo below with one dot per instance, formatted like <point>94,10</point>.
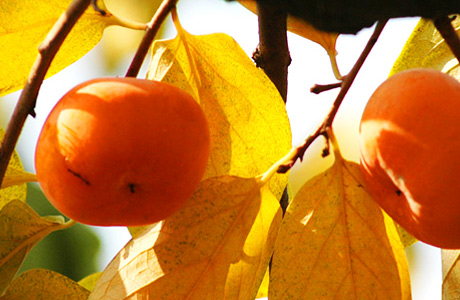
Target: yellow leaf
<point>426,48</point>
<point>336,243</point>
<point>135,230</point>
<point>248,121</point>
<point>24,25</point>
<point>40,284</point>
<point>21,228</point>
<point>89,282</point>
<point>406,238</point>
<point>13,185</point>
<point>263,288</point>
<point>217,247</point>
<point>304,29</point>
<point>450,274</point>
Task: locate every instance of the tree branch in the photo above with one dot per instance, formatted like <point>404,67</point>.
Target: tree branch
<point>327,123</point>
<point>26,103</point>
<point>319,88</point>
<point>447,31</point>
<point>152,30</point>
<point>272,54</point>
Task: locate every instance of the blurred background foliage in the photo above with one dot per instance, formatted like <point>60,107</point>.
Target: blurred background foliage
<point>72,252</point>
<point>115,52</point>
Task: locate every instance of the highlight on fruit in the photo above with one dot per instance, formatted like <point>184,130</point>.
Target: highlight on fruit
<point>122,151</point>
<point>409,152</point>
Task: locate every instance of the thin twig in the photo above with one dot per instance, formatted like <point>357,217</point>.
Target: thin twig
<point>447,31</point>
<point>152,30</point>
<point>26,103</point>
<point>348,80</point>
<point>327,123</point>
<point>319,88</point>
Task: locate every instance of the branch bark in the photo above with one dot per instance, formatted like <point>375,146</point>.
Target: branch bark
<point>26,103</point>
<point>447,31</point>
<point>272,54</point>
<point>299,151</point>
<point>152,30</point>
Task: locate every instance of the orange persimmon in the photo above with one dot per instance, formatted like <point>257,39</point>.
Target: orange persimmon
<point>122,151</point>
<point>410,143</point>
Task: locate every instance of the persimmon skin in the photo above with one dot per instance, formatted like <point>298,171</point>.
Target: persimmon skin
<point>122,151</point>
<point>409,152</point>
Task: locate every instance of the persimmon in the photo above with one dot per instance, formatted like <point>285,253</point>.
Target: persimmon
<point>409,152</point>
<point>122,151</point>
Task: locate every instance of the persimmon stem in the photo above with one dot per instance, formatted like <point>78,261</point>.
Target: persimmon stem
<point>345,86</point>
<point>27,100</point>
<point>447,31</point>
<point>152,29</point>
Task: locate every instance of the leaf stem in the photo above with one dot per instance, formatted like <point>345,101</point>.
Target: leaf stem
<point>265,177</point>
<point>18,178</point>
<point>334,143</point>
<point>152,29</point>
<point>335,67</point>
<point>447,31</point>
<point>27,100</point>
<point>114,20</point>
<point>175,19</point>
<point>345,86</point>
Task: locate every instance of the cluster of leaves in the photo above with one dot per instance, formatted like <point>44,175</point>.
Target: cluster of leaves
<point>352,16</point>
<point>333,242</point>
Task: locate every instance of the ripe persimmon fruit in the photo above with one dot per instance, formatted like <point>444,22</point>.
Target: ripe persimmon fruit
<point>410,153</point>
<point>122,151</point>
